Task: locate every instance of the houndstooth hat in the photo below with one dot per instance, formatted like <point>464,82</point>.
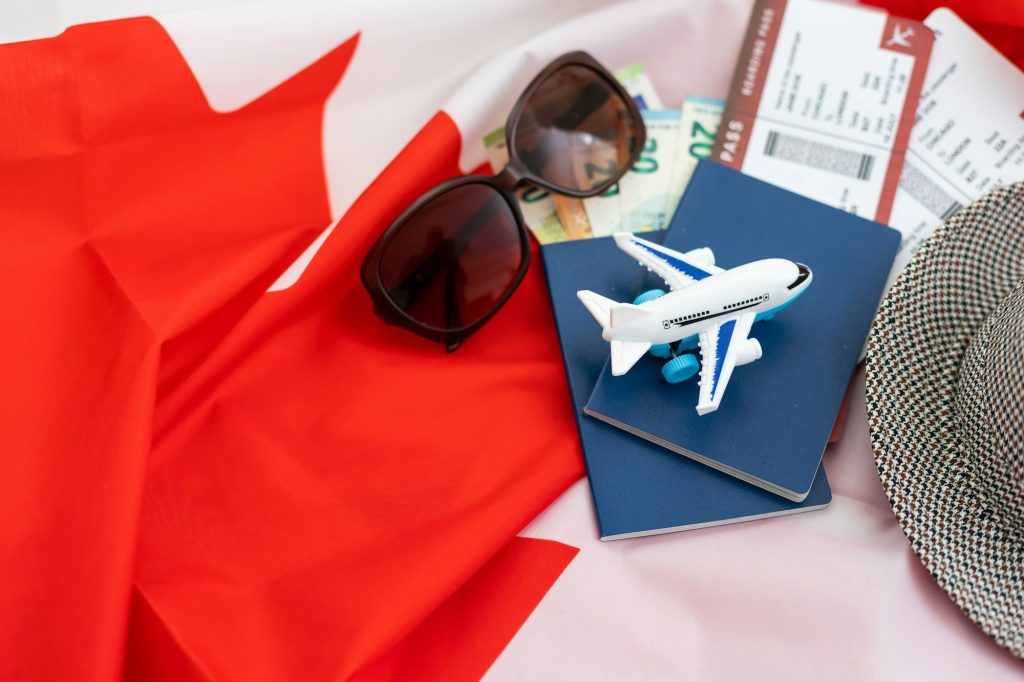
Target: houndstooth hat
<point>945,393</point>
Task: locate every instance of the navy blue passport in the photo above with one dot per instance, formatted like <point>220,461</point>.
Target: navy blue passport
<point>777,413</point>
<point>639,488</point>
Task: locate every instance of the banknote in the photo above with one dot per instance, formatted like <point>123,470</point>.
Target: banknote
<point>643,190</point>
<point>604,212</point>
<point>536,204</point>
<point>697,127</point>
<point>597,216</point>
<point>573,217</point>
<point>550,229</point>
<point>639,86</point>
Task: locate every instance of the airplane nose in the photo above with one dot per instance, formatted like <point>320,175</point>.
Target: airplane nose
<point>803,273</point>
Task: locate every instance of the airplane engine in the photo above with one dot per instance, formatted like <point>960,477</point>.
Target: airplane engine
<point>747,352</point>
<point>704,256</point>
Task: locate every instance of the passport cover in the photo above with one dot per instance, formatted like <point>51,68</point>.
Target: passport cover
<point>775,418</point>
<point>639,488</point>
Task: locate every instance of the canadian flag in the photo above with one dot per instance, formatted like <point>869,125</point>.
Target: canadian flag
<point>217,464</point>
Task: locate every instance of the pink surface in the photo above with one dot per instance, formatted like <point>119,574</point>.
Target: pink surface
<point>835,594</point>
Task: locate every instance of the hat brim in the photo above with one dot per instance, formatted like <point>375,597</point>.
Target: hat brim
<point>968,538</point>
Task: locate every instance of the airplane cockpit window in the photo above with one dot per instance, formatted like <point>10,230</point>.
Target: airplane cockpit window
<point>803,273</point>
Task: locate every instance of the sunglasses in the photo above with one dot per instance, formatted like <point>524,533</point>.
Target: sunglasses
<point>452,259</point>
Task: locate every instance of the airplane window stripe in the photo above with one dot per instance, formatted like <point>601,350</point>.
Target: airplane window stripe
<point>706,315</point>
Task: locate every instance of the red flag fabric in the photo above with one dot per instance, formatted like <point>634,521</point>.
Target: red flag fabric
<point>141,226</point>
<point>281,485</point>
<point>1001,23</point>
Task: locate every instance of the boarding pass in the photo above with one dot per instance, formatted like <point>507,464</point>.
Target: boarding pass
<point>969,135</point>
<point>822,101</point>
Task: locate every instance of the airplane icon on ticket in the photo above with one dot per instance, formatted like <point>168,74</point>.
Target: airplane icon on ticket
<point>900,37</point>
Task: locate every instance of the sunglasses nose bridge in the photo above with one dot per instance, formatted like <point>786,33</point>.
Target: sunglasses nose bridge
<point>510,177</point>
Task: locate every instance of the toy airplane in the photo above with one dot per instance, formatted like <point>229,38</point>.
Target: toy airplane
<point>707,305</point>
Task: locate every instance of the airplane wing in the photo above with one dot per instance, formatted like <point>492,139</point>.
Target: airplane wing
<point>723,347</point>
<point>677,269</point>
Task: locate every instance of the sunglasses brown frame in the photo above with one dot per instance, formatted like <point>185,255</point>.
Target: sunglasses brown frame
<point>505,182</point>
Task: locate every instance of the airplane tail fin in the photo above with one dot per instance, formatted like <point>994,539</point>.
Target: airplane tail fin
<point>625,354</point>
<point>624,313</point>
<point>610,314</point>
<point>599,306</point>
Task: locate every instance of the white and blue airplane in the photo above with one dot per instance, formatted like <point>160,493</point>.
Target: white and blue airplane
<point>706,306</point>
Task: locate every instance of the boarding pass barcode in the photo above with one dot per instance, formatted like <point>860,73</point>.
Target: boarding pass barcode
<point>819,155</point>
<point>927,193</point>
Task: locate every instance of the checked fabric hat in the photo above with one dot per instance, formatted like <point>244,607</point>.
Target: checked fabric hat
<point>945,398</point>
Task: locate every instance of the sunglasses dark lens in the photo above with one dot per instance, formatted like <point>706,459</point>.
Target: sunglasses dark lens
<point>450,262</point>
<point>575,130</point>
